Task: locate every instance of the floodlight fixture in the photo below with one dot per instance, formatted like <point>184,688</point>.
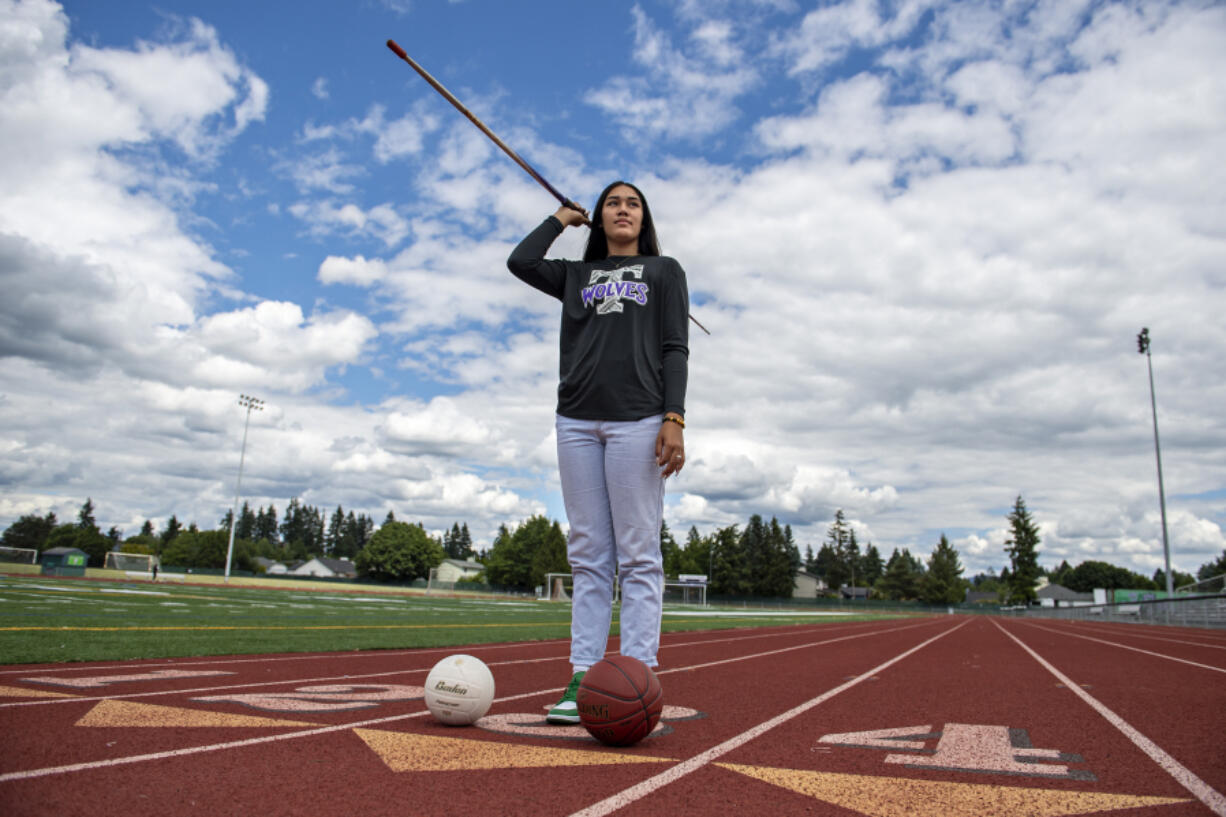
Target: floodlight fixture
<point>251,404</point>
<point>1143,348</point>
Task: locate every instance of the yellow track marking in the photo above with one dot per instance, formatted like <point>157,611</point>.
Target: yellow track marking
<point>18,692</point>
<point>128,714</point>
<point>903,797</point>
<point>409,752</point>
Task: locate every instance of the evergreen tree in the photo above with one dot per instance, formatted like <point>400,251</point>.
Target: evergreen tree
<point>147,529</point>
<point>852,557</point>
<point>829,569</point>
<point>466,542</point>
<point>266,527</point>
<point>85,516</point>
<point>1060,574</point>
<point>810,561</point>
<point>729,574</point>
<point>755,547</point>
<point>334,541</point>
<point>670,551</point>
<point>902,577</point>
<point>246,524</point>
<point>778,562</point>
<point>696,555</point>
<point>871,566</point>
<point>1209,570</point>
<point>451,541</point>
<point>943,583</point>
<point>1177,579</point>
<point>172,529</point>
<point>839,537</point>
<point>1022,547</point>
<point>793,560</point>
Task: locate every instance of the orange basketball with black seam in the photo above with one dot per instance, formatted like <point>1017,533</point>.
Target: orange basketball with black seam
<point>620,701</point>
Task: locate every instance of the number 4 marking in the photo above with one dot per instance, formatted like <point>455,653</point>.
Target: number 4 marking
<point>965,747</point>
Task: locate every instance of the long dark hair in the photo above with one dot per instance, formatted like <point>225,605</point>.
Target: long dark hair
<point>598,244</point>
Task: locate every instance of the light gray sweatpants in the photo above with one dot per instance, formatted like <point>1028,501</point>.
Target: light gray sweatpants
<point>614,497</point>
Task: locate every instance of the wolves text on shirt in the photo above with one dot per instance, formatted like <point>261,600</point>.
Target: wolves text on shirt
<point>609,288</point>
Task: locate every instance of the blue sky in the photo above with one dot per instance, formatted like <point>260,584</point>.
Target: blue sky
<point>924,236</point>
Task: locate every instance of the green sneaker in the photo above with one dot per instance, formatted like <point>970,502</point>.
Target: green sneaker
<point>566,710</point>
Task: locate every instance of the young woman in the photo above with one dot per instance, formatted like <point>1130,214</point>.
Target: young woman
<point>620,416</point>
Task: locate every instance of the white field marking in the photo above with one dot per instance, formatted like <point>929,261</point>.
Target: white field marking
<point>1126,647</point>
<point>790,649</point>
<point>121,761</point>
<point>1201,790</point>
<point>132,592</point>
<point>417,652</point>
<point>651,784</point>
<point>348,677</point>
<point>1116,631</point>
<point>748,613</point>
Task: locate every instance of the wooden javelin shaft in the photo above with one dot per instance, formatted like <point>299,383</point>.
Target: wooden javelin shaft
<point>459,106</point>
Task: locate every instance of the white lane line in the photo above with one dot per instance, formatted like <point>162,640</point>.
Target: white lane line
<point>514,645</point>
<point>1126,647</point>
<point>1132,630</point>
<point>1201,790</point>
<point>350,677</point>
<point>651,784</point>
<point>121,761</point>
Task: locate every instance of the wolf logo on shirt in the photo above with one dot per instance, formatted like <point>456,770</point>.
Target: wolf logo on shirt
<point>610,287</point>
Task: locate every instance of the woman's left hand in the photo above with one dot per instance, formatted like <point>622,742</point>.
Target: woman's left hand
<point>670,448</point>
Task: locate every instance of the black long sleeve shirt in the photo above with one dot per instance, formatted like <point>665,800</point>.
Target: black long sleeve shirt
<point>625,331</point>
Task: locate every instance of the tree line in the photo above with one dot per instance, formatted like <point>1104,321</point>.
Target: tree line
<point>760,559</point>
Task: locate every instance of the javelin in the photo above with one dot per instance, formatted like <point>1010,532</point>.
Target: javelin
<point>459,106</point>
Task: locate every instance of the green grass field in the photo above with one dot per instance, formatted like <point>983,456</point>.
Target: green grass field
<point>54,620</point>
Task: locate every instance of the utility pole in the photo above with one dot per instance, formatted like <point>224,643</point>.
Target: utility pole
<point>1143,348</point>
<point>249,403</point>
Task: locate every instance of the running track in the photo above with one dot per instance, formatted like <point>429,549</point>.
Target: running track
<point>946,716</point>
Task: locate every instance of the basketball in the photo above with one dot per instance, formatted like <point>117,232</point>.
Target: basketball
<point>620,701</point>
<point>459,690</point>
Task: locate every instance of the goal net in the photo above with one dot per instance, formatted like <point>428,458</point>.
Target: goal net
<point>685,593</point>
<point>130,562</point>
<point>1216,584</point>
<point>20,556</point>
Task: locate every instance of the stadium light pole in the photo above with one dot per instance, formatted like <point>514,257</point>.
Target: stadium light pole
<point>1143,348</point>
<point>250,403</point>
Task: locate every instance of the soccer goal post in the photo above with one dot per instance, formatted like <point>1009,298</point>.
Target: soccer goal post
<point>130,562</point>
<point>19,556</point>
<point>560,587</point>
<point>685,593</point>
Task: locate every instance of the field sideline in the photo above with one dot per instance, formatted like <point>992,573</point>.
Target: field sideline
<point>45,620</point>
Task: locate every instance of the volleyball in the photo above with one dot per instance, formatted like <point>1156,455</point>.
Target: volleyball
<point>459,690</point>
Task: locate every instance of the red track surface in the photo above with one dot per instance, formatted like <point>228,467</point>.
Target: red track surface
<point>964,716</point>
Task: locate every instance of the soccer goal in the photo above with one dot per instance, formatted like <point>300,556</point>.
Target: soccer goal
<point>18,556</point>
<point>130,562</point>
<point>561,586</point>
<point>433,583</point>
<point>1214,584</point>
<point>686,592</point>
